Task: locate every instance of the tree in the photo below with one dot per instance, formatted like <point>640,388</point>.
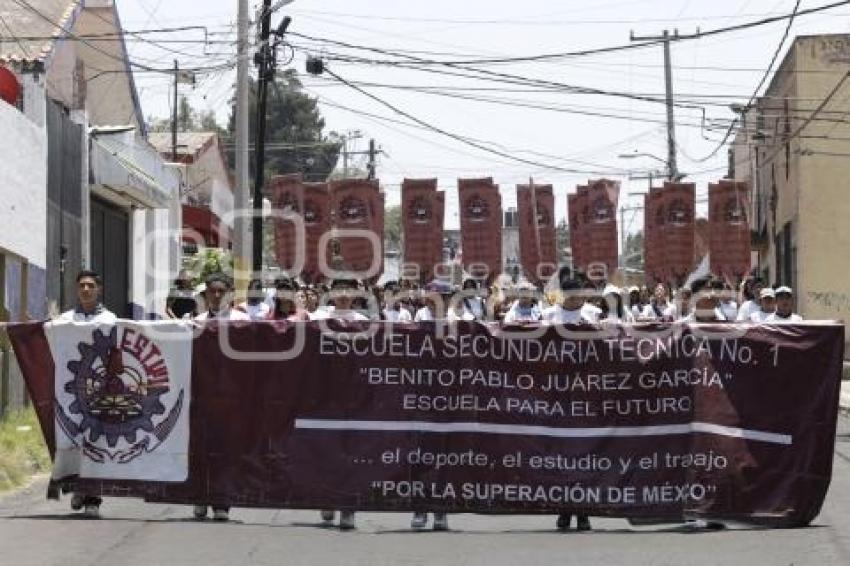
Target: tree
<point>392,228</point>
<point>633,251</point>
<point>562,236</point>
<point>295,138</point>
<point>188,120</point>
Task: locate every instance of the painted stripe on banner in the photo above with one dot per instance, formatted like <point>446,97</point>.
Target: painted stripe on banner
<point>533,430</point>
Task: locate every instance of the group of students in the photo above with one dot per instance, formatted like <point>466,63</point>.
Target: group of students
<point>575,300</point>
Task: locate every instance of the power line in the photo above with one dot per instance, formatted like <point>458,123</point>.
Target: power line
<point>451,135</point>
<point>629,46</point>
<point>764,77</point>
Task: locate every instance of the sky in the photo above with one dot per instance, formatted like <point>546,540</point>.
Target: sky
<point>563,137</point>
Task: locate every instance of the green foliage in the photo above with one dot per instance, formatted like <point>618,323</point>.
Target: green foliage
<point>562,235</point>
<point>188,120</point>
<point>633,252</point>
<point>208,261</point>
<point>22,449</point>
<point>294,131</point>
<point>392,228</point>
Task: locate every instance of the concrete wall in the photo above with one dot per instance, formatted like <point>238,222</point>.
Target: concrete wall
<point>210,183</point>
<point>23,209</point>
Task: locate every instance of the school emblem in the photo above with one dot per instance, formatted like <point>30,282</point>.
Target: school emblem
<point>352,210</point>
<point>288,203</point>
<point>116,392</point>
<point>602,210</point>
<point>476,209</point>
<point>733,212</point>
<point>419,211</point>
<point>312,215</point>
<point>678,213</point>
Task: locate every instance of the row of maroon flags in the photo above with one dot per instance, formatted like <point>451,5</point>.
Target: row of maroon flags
<point>669,221</point>
<point>348,211</point>
<point>352,209</point>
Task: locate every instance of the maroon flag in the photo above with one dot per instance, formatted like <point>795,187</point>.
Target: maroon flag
<point>422,222</point>
<point>601,228</point>
<point>286,194</point>
<point>356,205</point>
<point>678,232</point>
<point>481,227</point>
<point>317,222</point>
<point>537,247</point>
<point>654,219</point>
<point>728,204</point>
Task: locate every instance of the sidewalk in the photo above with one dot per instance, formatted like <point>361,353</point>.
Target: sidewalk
<point>844,399</point>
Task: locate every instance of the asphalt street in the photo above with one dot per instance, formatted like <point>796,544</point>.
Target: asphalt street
<point>37,532</point>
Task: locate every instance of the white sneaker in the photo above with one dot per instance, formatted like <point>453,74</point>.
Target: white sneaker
<point>91,511</point>
<point>200,512</point>
<point>441,522</point>
<point>327,517</point>
<point>419,521</point>
<point>346,520</point>
<point>221,515</point>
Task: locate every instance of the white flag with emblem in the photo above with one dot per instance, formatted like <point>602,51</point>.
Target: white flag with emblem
<point>122,397</point>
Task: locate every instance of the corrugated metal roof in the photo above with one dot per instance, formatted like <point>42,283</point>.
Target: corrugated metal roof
<point>27,34</point>
<point>188,143</point>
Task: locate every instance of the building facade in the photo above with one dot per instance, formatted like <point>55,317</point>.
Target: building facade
<point>793,147</point>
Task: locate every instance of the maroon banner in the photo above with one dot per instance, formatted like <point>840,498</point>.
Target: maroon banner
<point>601,230</point>
<point>654,245</point>
<point>537,240</point>
<point>422,221</point>
<point>481,226</point>
<point>678,230</point>
<point>655,421</point>
<point>317,222</point>
<point>286,194</point>
<point>578,215</point>
<point>729,228</point>
<point>356,204</point>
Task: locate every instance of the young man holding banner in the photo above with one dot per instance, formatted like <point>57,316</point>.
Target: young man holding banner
<point>88,309</point>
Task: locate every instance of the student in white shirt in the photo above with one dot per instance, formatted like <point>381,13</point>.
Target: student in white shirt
<point>88,309</point>
<point>751,299</point>
<point>725,300</point>
<point>635,306</point>
<point>766,306</point>
<point>342,295</point>
<point>707,301</point>
<point>255,306</point>
<point>573,309</point>
<point>784,308</point>
<point>614,305</point>
<point>660,308</point>
<point>524,309</point>
<point>427,312</point>
<point>475,304</point>
<point>684,297</point>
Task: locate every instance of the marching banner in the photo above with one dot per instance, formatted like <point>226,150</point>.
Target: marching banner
<point>317,222</point>
<point>481,227</point>
<point>678,230</point>
<point>729,228</point>
<point>286,193</point>
<point>653,243</point>
<point>601,225</point>
<point>122,396</point>
<point>422,221</point>
<point>577,213</point>
<point>537,240</point>
<point>654,420</point>
<point>357,205</point>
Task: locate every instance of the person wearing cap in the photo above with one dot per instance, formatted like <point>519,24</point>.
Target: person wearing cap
<point>614,309</point>
<point>706,306</point>
<point>767,305</point>
<point>573,309</point>
<point>784,307</point>
<point>474,303</point>
<point>342,297</point>
<point>524,309</point>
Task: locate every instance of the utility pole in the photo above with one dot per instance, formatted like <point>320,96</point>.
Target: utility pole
<point>174,115</point>
<point>665,38</point>
<point>241,227</point>
<point>266,61</point>
<point>372,156</point>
